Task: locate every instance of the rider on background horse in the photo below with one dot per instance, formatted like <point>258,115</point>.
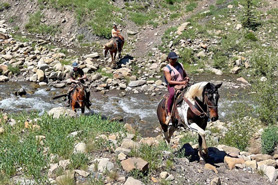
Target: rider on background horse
<point>77,76</point>
<point>175,75</point>
<point>116,35</point>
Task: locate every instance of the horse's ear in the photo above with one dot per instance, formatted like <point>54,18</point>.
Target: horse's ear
<point>218,85</point>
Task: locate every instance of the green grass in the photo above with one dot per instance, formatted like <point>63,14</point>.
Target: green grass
<point>35,26</point>
<point>14,70</point>
<point>4,6</point>
<point>21,149</point>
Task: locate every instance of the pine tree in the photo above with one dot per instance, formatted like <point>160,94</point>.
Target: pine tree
<point>249,19</point>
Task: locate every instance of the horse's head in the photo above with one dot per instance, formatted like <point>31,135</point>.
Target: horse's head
<point>211,97</point>
<point>80,95</point>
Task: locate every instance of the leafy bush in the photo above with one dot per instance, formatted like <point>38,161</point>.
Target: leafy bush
<point>187,56</point>
<point>269,139</point>
<point>78,160</point>
<point>240,133</point>
<point>250,36</point>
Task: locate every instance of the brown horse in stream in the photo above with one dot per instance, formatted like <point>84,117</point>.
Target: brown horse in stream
<point>199,102</point>
<point>78,98</point>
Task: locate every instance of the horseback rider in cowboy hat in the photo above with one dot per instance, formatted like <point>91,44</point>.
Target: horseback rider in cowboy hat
<point>77,75</point>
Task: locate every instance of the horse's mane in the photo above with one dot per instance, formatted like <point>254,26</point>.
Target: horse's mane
<point>195,90</point>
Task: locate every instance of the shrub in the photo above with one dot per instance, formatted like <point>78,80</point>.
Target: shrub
<point>249,18</point>
<point>269,139</point>
<point>250,36</point>
<point>4,6</point>
<point>187,56</point>
<point>239,133</point>
<point>78,160</point>
<point>14,70</point>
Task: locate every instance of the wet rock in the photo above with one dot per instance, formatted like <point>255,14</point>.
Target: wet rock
<point>132,181</point>
<point>135,163</point>
<point>61,111</point>
<point>59,85</point>
<point>80,148</point>
<point>136,83</point>
<point>3,78</point>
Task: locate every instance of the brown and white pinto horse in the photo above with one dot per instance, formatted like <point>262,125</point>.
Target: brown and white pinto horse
<point>199,103</point>
<point>78,98</point>
<point>113,50</point>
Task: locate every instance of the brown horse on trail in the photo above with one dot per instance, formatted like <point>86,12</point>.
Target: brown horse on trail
<point>198,103</point>
<point>78,98</point>
<point>113,50</point>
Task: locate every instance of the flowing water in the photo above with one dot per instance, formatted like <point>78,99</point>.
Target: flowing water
<point>138,109</point>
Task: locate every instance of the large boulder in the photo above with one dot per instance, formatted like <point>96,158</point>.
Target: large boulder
<point>61,111</point>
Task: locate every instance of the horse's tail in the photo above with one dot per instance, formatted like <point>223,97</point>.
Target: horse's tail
<point>161,114</point>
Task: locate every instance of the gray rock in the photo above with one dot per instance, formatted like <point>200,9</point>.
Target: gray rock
<point>80,148</point>
<point>61,111</point>
<point>104,164</point>
<point>136,83</point>
<point>60,85</point>
<point>129,32</point>
<point>132,181</point>
<point>93,55</point>
<point>270,172</point>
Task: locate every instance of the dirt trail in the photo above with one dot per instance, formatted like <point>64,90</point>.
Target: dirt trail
<point>150,38</point>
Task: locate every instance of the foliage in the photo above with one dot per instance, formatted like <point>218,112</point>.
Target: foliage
<point>269,139</point>
<point>4,6</point>
<point>240,132</point>
<point>35,26</point>
<point>77,160</point>
<point>187,56</point>
<point>21,149</point>
<point>249,18</point>
<point>13,70</point>
<point>251,36</point>
<point>80,37</point>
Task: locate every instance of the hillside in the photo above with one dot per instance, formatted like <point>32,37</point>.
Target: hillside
<point>217,40</point>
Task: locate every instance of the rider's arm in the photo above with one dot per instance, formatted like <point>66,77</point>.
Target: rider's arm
<point>172,82</point>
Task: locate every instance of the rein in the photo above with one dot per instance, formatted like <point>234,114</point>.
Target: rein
<point>194,109</point>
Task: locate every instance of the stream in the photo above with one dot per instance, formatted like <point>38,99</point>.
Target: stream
<point>138,109</point>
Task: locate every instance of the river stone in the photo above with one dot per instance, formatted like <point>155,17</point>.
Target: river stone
<point>235,70</point>
<point>23,181</point>
<point>135,163</point>
<point>93,55</point>
<point>216,71</point>
<point>136,83</point>
<point>61,111</point>
<point>132,181</point>
<point>121,155</point>
<point>122,150</point>
<point>124,71</point>
<point>53,75</point>
<point>60,85</point>
<point>42,84</point>
<point>40,74</point>
<point>268,162</point>
<point>7,57</point>
<point>3,78</point>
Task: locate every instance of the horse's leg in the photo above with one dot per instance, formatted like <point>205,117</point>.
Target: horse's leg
<point>161,114</point>
<point>202,140</point>
<point>105,51</point>
<point>82,110</point>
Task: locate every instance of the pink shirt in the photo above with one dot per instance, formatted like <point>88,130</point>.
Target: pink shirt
<point>176,72</point>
